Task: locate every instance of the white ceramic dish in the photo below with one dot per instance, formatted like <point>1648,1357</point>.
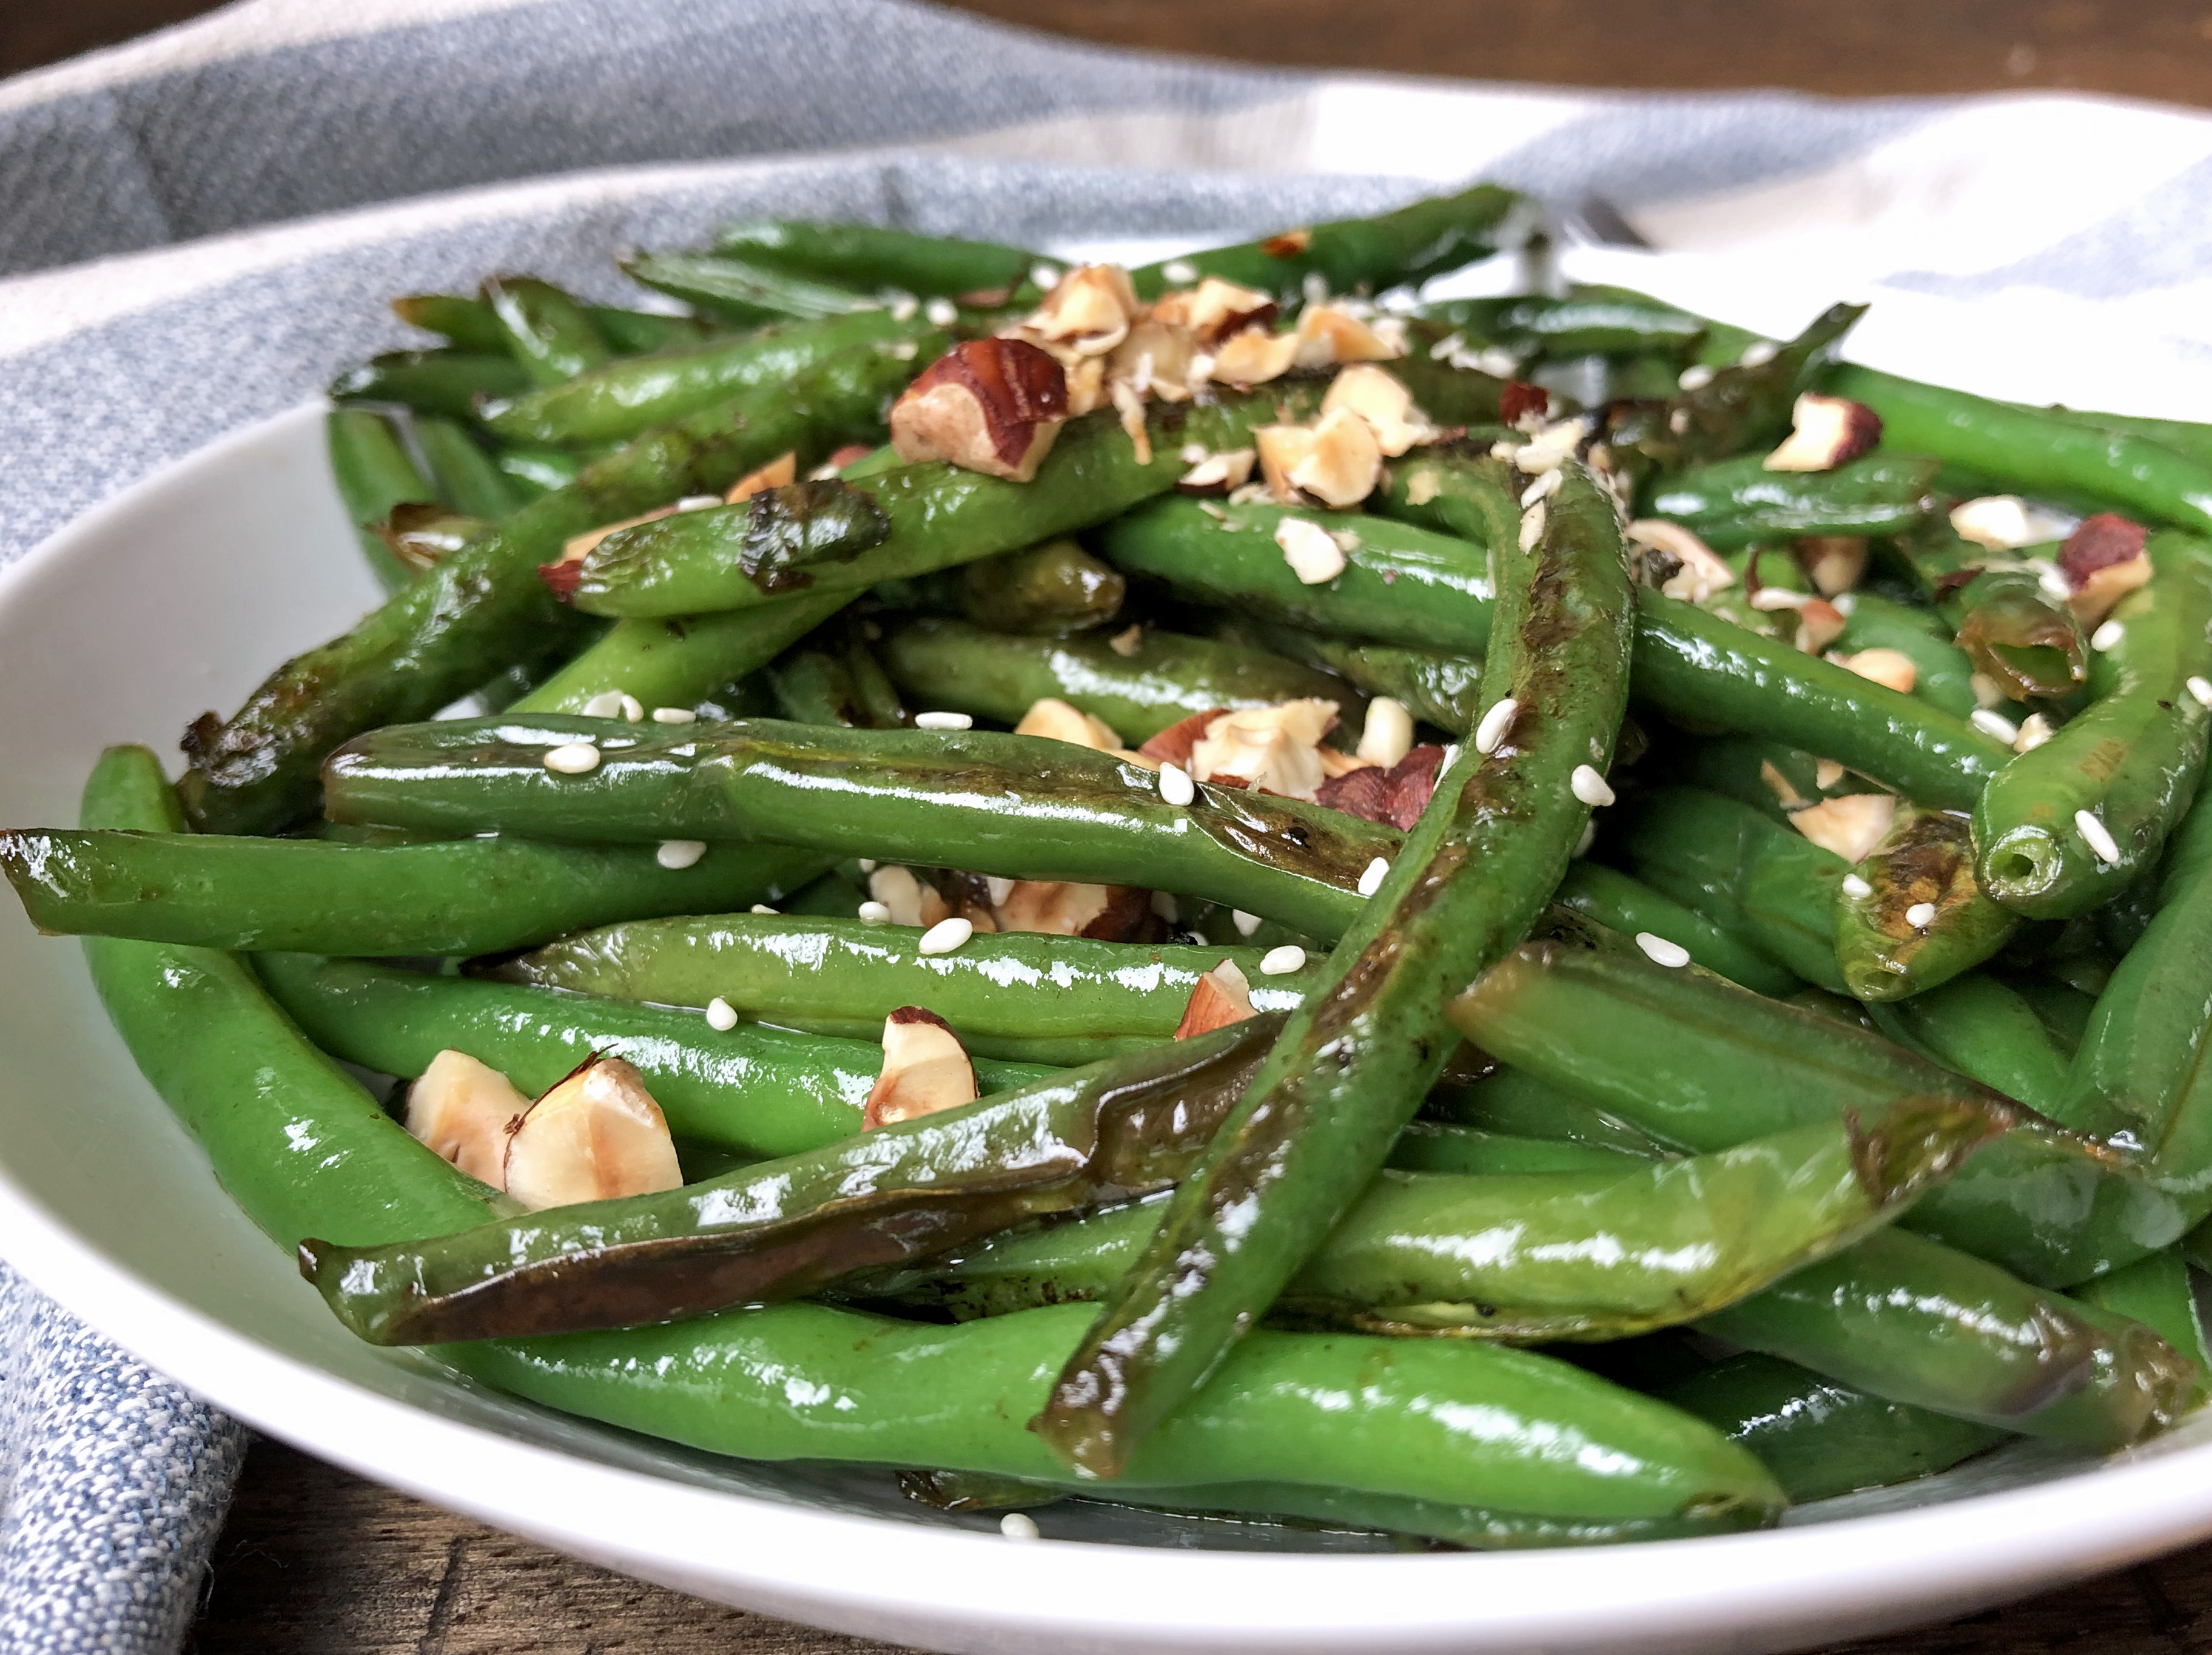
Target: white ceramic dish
<point>181,593</point>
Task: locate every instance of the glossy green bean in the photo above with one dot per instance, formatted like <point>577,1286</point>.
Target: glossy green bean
<point>544,329</point>
<point>680,662</point>
<point>1442,1147</point>
<point>1140,691</point>
<point>1632,908</point>
<point>1980,1027</point>
<point>1055,588</point>
<point>870,258</point>
<point>1015,994</point>
<point>1913,915</point>
<point>740,292</point>
<point>1510,1100</point>
<point>2025,642</point>
<point>448,382</point>
<point>1587,319</point>
<point>374,472</point>
<point>1445,689</point>
<point>466,479</point>
<point>1019,807</point>
<point>1943,674</point>
<point>1735,502</point>
<point>2158,1292</point>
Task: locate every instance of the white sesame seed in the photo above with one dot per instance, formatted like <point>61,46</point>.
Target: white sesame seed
<point>2049,582</point>
<point>1995,725</point>
<point>1589,787</point>
<point>1696,377</point>
<point>1246,923</point>
<point>675,853</point>
<point>606,704</point>
<point>1450,758</point>
<point>1543,488</point>
<point>1845,604</point>
<point>2034,730</point>
<point>941,313</point>
<point>1451,345</point>
<point>2096,836</point>
<point>1856,888</point>
<point>1920,915</point>
<point>946,935</point>
<point>674,715</point>
<point>700,503</point>
<point>865,864</point>
<point>1495,723</point>
<point>1281,962</point>
<point>1497,361</point>
<point>1770,598</point>
<point>632,709</point>
<point>1179,270</point>
<point>875,913</point>
<point>1176,786</point>
<point>1371,880</point>
<point>1758,353</point>
<point>903,306</point>
<point>572,758</point>
<point>720,1015</point>
<point>1020,1525</point>
<point>1164,904</point>
<point>2106,635</point>
<point>1532,525</point>
<point>943,721</point>
<point>1044,275</point>
<point>1660,951</point>
<point>762,908</point>
<point>1314,288</point>
<point>2201,690</point>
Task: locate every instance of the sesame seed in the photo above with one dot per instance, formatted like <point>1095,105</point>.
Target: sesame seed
<point>1451,345</point>
<point>674,715</point>
<point>1920,915</point>
<point>1495,723</point>
<point>1371,880</point>
<point>2050,582</point>
<point>1696,377</point>
<point>941,313</point>
<point>675,853</point>
<point>762,908</point>
<point>1770,598</point>
<point>1314,288</point>
<point>1660,951</point>
<point>2096,836</point>
<point>1994,724</point>
<point>2201,690</point>
<point>1020,1525</point>
<point>943,721</point>
<point>1532,526</point>
<point>2106,635</point>
<point>1856,888</point>
<point>1176,786</point>
<point>875,913</point>
<point>632,709</point>
<point>1180,270</point>
<point>1450,758</point>
<point>1246,923</point>
<point>1589,838</point>
<point>1044,275</point>
<point>865,864</point>
<point>903,306</point>
<point>1758,353</point>
<point>720,1015</point>
<point>1497,362</point>
<point>2034,730</point>
<point>946,935</point>
<point>1589,787</point>
<point>606,704</point>
<point>700,503</point>
<point>1845,604</point>
<point>572,758</point>
<point>1281,962</point>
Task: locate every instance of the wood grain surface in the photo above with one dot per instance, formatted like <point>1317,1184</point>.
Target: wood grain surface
<point>315,1559</point>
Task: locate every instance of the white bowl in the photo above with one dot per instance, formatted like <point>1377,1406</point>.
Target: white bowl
<point>179,596</point>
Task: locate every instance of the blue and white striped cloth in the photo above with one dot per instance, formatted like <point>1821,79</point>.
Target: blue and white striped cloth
<point>198,229</point>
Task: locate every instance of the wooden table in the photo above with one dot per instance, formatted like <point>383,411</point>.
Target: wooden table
<point>317,1560</point>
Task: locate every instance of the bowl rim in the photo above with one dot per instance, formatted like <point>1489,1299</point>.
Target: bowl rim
<point>939,1584</point>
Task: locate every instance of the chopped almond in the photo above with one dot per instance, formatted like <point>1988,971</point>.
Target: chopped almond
<point>1699,572</point>
<point>1218,473</point>
<point>1820,624</point>
<point>1254,357</point>
<point>1785,795</point>
<point>988,406</point>
<point>577,547</point>
<point>783,469</point>
<point>1272,749</point>
<point>1835,563</point>
<point>911,901</point>
<point>1220,997</point>
<point>925,1070</point>
<point>2094,599</point>
<point>1089,312</point>
<point>597,1135</point>
<point>1155,359</point>
<point>1892,668</point>
<point>1851,824</point>
<point>1213,309</point>
<point>1056,721</point>
<point>464,1109</point>
<point>1827,432</point>
<point>1381,398</point>
<point>1327,335</point>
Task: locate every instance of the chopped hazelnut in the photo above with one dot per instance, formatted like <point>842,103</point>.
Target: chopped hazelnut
<point>1218,473</point>
<point>925,1070</point>
<point>464,1110</point>
<point>2103,561</point>
<point>1214,310</point>
<point>1220,997</point>
<point>1381,398</point>
<point>783,470</point>
<point>1701,572</point>
<point>595,1136</point>
<point>1835,563</point>
<point>1851,824</point>
<point>1826,432</point>
<point>1253,355</point>
<point>1314,554</point>
<point>990,405</point>
<point>1088,313</point>
<point>1892,668</point>
<point>1820,624</point>
<point>1273,748</point>
<point>910,901</point>
<point>1327,334</point>
<point>1056,721</point>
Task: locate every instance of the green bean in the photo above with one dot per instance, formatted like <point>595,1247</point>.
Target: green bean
<point>1773,778</point>
<point>2157,1293</point>
<point>2030,647</point>
<point>1943,673</point>
<point>1631,907</point>
<point>466,897</point>
<point>1441,1146</point>
<point>2030,452</point>
<point>1513,1101</point>
<point>1821,1439</point>
<point>1141,690</point>
<point>1054,588</point>
<point>642,332</point>
<point>2064,1011</point>
<point>2118,777</point>
<point>623,400</point>
<point>1735,502</point>
<point>1747,873</point>
<point>431,381</point>
<point>1408,245</point>
<point>545,330</point>
<point>871,258</point>
<point>1921,1324</point>
<point>533,471</point>
<point>466,323</point>
<point>933,516</point>
<point>374,472</point>
<point>1022,807</point>
<point>1017,993</point>
<point>486,609</point>
<point>740,292</point>
<point>681,661</point>
<point>1977,1027</point>
<point>1352,1064</point>
<point>1588,320</point>
<point>1700,1064</point>
<point>465,478</point>
<point>1914,917</point>
<point>2189,438</point>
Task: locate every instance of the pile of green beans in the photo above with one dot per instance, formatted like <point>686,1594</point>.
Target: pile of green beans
<point>1721,1021</point>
